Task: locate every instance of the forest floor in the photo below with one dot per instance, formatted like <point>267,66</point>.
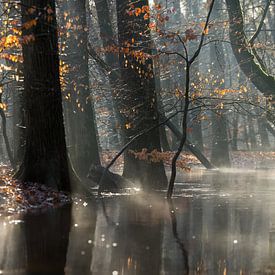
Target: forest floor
<point>239,159</point>
<point>17,197</point>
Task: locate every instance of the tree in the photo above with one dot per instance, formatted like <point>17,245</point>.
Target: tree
<point>45,160</point>
<point>189,60</point>
<point>4,130</point>
<point>138,101</point>
<point>195,123</point>
<point>79,105</point>
<point>111,58</point>
<point>220,149</point>
<point>246,59</point>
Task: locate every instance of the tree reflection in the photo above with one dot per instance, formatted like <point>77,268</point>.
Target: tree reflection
<point>47,237</point>
<point>177,238</point>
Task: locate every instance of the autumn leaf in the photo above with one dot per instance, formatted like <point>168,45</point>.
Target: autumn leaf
<point>26,39</point>
<point>145,9</point>
<point>31,10</point>
<point>178,93</point>
<point>29,24</point>
<point>205,30</point>
<point>146,16</point>
<point>137,11</point>
<point>152,25</point>
<point>10,41</point>
<point>158,6</point>
<point>190,35</point>
<point>49,10</point>
<point>68,25</point>
<point>12,57</point>
<point>3,106</point>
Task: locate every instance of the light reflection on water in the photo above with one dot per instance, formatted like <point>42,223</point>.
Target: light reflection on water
<point>219,223</point>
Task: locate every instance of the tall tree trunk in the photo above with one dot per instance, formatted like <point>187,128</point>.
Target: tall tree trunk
<point>5,135</point>
<point>15,88</point>
<point>262,128</point>
<point>246,137</point>
<point>235,131</point>
<point>138,102</point>
<point>252,134</point>
<point>45,159</point>
<point>220,149</point>
<point>196,134</point>
<point>2,155</point>
<point>162,131</point>
<point>82,118</point>
<point>220,152</point>
<point>111,58</point>
<point>18,122</point>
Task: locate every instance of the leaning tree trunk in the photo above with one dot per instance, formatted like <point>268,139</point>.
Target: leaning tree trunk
<point>45,159</point>
<point>264,82</point>
<point>138,101</point>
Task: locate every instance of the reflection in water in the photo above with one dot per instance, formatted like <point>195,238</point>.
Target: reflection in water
<point>135,243</point>
<point>82,234</point>
<point>177,238</point>
<point>218,223</point>
<point>11,245</point>
<point>47,237</point>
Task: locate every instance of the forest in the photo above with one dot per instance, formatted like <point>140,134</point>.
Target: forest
<point>137,137</point>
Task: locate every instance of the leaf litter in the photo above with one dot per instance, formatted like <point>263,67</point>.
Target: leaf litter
<point>18,197</point>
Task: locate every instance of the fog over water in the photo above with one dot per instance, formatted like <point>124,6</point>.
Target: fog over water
<point>218,222</point>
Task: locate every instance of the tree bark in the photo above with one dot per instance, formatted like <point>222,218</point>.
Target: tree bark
<point>138,102</point>
<point>45,159</point>
<point>252,134</point>
<point>5,135</point>
<point>235,131</point>
<point>81,109</point>
<point>220,145</point>
<point>196,135</point>
<point>262,128</point>
<point>264,82</point>
<point>111,58</point>
<point>191,147</point>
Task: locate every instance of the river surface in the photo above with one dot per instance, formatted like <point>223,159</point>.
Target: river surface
<point>218,223</point>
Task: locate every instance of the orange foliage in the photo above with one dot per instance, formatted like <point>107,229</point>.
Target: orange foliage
<point>12,57</point>
<point>26,39</point>
<point>156,156</point>
<point>190,35</point>
<point>29,24</point>
<point>9,41</point>
<point>3,106</point>
<point>144,10</point>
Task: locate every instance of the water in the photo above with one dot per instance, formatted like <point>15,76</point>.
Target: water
<point>219,223</point>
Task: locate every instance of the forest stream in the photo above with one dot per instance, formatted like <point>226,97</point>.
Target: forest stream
<point>218,223</point>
